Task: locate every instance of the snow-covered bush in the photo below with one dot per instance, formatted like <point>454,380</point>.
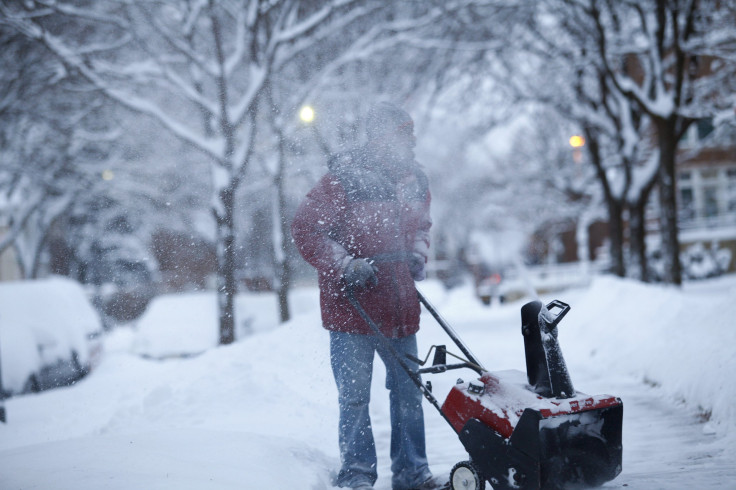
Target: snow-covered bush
<point>699,262</point>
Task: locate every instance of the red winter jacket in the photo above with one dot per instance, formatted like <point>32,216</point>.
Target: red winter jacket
<point>359,210</point>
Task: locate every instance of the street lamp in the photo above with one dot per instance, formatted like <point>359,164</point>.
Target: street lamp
<point>577,142</point>
<point>306,114</point>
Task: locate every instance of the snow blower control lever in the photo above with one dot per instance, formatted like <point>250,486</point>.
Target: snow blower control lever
<point>522,432</point>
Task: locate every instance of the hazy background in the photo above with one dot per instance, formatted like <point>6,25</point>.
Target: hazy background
<point>158,146</point>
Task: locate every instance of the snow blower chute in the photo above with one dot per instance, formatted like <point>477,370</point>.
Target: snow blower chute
<point>522,432</point>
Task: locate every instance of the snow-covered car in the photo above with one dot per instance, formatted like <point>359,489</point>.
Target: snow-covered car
<point>50,335</point>
<point>490,287</point>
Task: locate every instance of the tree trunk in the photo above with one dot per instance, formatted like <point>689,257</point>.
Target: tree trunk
<point>613,205</point>
<point>284,269</point>
<point>668,201</point>
<point>582,237</point>
<point>616,232</point>
<point>226,287</point>
<point>283,292</point>
<point>637,241</point>
<point>638,232</point>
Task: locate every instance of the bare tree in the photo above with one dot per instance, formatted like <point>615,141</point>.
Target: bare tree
<point>53,147</point>
<point>172,60</point>
<point>560,74</point>
<point>624,72</point>
<point>201,69</point>
<point>672,59</point>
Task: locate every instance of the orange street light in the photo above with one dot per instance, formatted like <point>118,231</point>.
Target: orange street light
<point>577,141</point>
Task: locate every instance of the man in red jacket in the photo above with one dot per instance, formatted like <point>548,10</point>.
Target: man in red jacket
<point>365,226</point>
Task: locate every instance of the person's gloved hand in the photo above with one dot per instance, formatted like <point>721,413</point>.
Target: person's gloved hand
<point>416,267</point>
<point>359,273</point>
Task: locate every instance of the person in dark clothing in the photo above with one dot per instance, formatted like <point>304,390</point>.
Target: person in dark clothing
<point>365,226</point>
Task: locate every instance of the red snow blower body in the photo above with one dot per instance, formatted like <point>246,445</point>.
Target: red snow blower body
<point>535,431</point>
<point>532,431</point>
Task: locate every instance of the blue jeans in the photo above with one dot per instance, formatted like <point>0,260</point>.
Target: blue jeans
<point>351,356</point>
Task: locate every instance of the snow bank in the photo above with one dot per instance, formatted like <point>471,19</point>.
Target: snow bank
<point>262,413</point>
<point>680,340</point>
<point>182,324</point>
<point>171,459</point>
<point>185,324</point>
<point>259,413</point>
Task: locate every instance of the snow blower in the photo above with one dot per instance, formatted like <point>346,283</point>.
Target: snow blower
<point>522,432</point>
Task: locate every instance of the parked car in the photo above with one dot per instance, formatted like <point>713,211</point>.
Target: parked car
<point>50,335</point>
<point>489,287</point>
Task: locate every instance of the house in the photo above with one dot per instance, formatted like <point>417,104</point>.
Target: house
<point>706,182</point>
<point>706,185</point>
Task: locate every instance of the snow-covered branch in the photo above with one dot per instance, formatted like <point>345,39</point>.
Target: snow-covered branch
<point>303,27</point>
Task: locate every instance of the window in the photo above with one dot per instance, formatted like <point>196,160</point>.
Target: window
<point>707,196</point>
<point>709,174</point>
<point>704,128</point>
<point>697,132</point>
<point>731,190</point>
<point>710,201</point>
<point>687,204</point>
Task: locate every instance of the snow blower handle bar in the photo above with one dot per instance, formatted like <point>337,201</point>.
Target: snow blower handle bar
<point>564,308</point>
<point>450,332</point>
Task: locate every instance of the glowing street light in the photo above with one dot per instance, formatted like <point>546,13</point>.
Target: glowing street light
<point>577,141</point>
<point>306,114</point>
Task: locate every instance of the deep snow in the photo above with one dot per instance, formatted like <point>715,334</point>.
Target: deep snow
<point>262,413</point>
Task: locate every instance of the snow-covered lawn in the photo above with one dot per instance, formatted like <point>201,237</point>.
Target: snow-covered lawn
<point>262,413</point>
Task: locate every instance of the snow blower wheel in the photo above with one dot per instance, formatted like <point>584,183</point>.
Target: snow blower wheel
<point>465,476</point>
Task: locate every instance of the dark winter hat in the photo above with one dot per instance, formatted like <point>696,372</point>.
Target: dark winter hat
<point>385,116</point>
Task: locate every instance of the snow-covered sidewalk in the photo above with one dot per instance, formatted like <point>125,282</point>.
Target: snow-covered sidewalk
<point>262,413</point>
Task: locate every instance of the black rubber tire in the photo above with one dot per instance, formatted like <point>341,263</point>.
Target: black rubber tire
<point>466,476</point>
